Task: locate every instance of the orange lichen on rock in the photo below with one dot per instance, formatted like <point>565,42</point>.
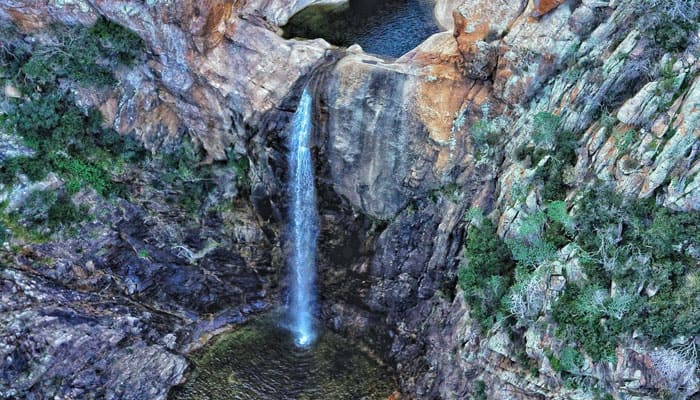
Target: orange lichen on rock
<point>465,33</point>
<point>437,103</point>
<point>542,7</point>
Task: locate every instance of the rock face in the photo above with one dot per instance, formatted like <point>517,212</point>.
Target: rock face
<point>403,149</point>
<point>81,345</point>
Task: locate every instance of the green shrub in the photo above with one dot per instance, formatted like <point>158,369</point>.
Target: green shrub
<point>570,360</point>
<point>669,23</point>
<point>81,54</point>
<point>577,325</point>
<point>545,129</point>
<point>533,253</point>
<point>635,243</point>
<point>480,390</point>
<point>624,140</point>
<point>48,209</point>
<point>561,147</point>
<point>80,174</point>
<point>33,168</point>
<point>484,134</point>
<point>556,211</point>
<point>65,138</point>
<point>4,233</point>
<point>487,272</point>
<point>188,180</point>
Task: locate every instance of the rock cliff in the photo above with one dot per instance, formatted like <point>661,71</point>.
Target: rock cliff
<point>475,118</point>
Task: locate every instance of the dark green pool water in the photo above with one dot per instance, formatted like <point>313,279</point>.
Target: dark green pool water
<point>385,27</point>
<point>260,361</point>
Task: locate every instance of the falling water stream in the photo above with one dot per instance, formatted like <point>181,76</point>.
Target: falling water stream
<point>303,220</point>
<point>269,360</point>
<point>298,359</point>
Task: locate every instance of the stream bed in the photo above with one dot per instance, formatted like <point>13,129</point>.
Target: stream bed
<point>260,361</point>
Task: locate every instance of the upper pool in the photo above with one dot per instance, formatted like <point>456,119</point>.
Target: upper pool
<point>385,27</point>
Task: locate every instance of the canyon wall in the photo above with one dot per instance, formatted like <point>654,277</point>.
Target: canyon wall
<point>404,148</point>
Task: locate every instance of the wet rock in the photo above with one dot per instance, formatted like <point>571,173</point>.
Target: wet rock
<point>376,108</point>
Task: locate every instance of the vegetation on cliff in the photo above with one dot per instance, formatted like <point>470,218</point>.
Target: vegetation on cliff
<point>633,272</point>
<point>64,137</point>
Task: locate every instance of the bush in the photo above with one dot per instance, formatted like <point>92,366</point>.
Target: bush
<point>48,209</point>
<point>189,182</point>
<point>545,129</point>
<point>65,138</point>
<point>560,146</point>
<point>241,165</point>
<point>82,54</point>
<point>115,41</point>
<point>637,244</point>
<point>487,272</point>
<point>527,296</point>
<point>480,390</point>
<point>669,23</point>
<point>33,168</point>
<point>624,140</point>
<point>486,136</point>
<point>578,324</point>
<point>4,233</point>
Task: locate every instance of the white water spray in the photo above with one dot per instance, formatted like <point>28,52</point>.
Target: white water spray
<point>303,226</point>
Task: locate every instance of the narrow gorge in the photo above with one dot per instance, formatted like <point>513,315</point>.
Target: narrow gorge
<point>458,199</point>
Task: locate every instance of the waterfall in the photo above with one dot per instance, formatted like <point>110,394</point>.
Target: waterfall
<point>303,220</point>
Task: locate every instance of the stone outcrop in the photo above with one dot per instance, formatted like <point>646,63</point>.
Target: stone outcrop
<point>79,345</point>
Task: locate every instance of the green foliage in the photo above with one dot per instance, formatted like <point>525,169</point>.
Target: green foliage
<point>578,324</point>
<point>4,233</point>
<point>673,312</point>
<point>474,216</point>
<point>536,243</point>
<point>669,23</point>
<point>570,359</point>
<point>81,54</point>
<point>241,165</point>
<point>560,146</point>
<point>624,140</point>
<point>486,135</point>
<point>480,390</point>
<point>636,244</point>
<point>633,242</point>
<point>48,209</point>
<point>560,225</point>
<point>556,211</point>
<point>117,42</point>
<point>553,360</point>
<point>80,174</point>
<point>189,182</point>
<point>33,168</point>
<point>532,253</point>
<point>487,273</point>
<point>66,139</point>
<point>545,129</point>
